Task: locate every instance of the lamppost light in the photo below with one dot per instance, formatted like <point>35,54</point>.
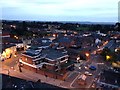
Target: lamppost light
<point>87,54</point>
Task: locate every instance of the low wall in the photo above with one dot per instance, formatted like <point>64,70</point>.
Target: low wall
<point>46,73</point>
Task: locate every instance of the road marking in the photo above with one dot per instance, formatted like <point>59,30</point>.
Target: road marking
<point>74,80</point>
<point>91,83</point>
<point>70,74</point>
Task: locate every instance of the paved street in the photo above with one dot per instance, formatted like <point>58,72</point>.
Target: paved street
<point>11,62</point>
<point>71,80</point>
<point>95,60</point>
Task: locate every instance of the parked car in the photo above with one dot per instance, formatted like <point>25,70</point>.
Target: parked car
<point>92,67</point>
<point>87,73</point>
<point>86,67</point>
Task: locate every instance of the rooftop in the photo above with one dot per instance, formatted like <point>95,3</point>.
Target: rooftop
<point>42,41</point>
<point>110,77</point>
<point>31,53</point>
<point>50,53</point>
<point>53,54</point>
<point>11,40</point>
<point>16,83</point>
<point>65,39</point>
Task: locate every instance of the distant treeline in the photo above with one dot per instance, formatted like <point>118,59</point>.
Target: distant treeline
<point>21,26</point>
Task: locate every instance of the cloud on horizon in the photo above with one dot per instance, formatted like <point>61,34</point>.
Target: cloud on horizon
<point>60,10</point>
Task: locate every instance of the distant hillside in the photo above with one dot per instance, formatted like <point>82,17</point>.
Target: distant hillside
<point>112,23</point>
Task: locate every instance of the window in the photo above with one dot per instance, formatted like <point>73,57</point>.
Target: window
<point>63,58</point>
<point>44,66</point>
<point>45,60</point>
<point>37,62</point>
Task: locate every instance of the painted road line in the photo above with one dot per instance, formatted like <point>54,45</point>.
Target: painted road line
<point>74,80</point>
<point>90,83</point>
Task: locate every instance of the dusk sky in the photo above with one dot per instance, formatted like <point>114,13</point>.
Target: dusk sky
<point>60,10</point>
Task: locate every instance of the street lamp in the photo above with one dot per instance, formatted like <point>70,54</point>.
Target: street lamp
<point>15,37</point>
<point>87,54</point>
<point>107,57</point>
<point>78,58</point>
<point>54,35</point>
<point>116,50</point>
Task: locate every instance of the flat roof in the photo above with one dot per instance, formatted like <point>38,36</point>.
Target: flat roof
<point>53,54</point>
<point>31,52</point>
<point>42,41</point>
<point>49,53</point>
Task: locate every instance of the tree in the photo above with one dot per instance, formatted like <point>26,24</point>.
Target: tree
<point>117,26</point>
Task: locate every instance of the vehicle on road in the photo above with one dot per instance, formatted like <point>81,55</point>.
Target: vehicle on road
<point>87,73</point>
<point>86,67</point>
<point>92,67</point>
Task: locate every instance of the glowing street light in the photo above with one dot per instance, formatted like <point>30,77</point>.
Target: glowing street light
<point>87,54</point>
<point>54,35</point>
<point>11,25</point>
<point>116,50</point>
<point>108,57</point>
<point>16,37</point>
<point>15,55</point>
<point>78,58</point>
<point>65,34</point>
<point>14,26</point>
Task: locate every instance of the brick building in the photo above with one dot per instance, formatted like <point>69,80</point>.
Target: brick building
<point>52,62</point>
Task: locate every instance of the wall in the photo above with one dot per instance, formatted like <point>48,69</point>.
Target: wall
<point>29,60</point>
<point>47,73</point>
